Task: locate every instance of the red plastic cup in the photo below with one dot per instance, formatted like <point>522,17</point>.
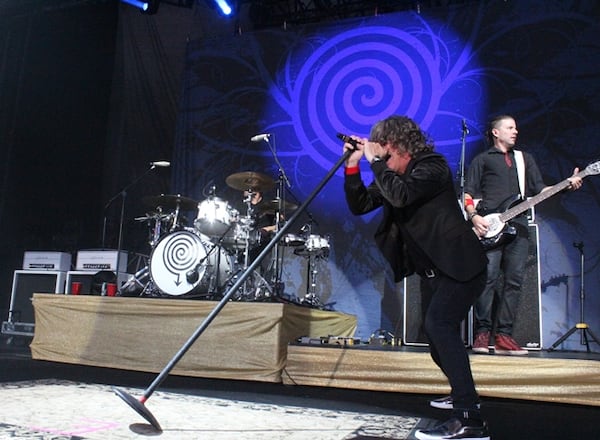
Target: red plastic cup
<point>76,288</point>
<point>111,289</point>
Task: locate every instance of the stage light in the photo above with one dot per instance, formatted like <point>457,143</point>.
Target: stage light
<point>225,7</point>
<point>147,7</point>
<point>137,3</point>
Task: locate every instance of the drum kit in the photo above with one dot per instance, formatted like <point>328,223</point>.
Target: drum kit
<point>205,259</point>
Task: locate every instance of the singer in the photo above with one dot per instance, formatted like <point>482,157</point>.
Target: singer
<point>423,231</point>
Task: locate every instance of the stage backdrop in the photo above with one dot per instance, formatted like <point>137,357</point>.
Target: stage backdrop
<point>537,60</point>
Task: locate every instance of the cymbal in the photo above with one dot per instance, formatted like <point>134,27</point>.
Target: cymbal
<point>250,180</point>
<point>272,206</point>
<point>171,202</point>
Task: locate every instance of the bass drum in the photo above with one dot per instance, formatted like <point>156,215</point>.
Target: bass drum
<point>179,265</point>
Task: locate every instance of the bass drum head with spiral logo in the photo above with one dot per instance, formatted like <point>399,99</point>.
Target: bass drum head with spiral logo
<point>179,265</point>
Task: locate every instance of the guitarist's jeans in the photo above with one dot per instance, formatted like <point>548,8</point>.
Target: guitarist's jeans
<point>509,260</point>
<point>449,305</point>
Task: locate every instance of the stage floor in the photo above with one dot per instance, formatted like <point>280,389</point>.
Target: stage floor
<point>192,407</point>
<point>539,376</point>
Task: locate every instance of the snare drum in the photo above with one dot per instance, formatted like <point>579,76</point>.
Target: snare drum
<point>179,264</point>
<point>292,240</point>
<point>215,215</point>
<point>237,235</point>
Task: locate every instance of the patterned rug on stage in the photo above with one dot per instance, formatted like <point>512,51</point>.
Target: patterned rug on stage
<point>58,409</point>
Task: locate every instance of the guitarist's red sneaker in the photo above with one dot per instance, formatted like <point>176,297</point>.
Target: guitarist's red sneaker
<point>481,342</point>
<point>507,345</point>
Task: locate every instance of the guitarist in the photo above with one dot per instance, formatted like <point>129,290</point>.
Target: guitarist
<point>495,176</point>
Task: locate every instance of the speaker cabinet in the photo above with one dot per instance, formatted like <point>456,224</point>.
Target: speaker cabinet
<point>527,329</point>
<point>21,317</point>
<point>412,332</point>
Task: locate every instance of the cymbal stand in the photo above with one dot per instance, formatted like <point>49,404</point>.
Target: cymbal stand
<point>581,325</point>
<point>282,182</point>
<point>276,256</point>
<point>246,224</point>
<point>175,224</point>
<point>312,298</point>
<point>154,222</point>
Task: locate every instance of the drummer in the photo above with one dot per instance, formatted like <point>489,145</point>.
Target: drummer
<point>264,218</point>
<point>264,222</point>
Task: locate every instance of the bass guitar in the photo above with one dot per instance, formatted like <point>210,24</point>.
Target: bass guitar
<point>500,232</point>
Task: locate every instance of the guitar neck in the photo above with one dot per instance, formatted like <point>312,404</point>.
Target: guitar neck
<point>524,206</point>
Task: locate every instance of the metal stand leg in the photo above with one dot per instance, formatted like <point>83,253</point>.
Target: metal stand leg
<point>311,298</point>
<point>581,325</point>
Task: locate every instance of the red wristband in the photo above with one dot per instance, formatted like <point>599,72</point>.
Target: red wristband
<point>352,170</point>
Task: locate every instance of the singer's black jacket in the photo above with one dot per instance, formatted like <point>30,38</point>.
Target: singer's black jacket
<point>422,202</point>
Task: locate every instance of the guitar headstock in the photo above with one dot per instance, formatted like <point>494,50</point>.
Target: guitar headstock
<point>554,281</point>
<point>593,168</point>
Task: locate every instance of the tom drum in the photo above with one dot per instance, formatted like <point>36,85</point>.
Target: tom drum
<point>215,216</point>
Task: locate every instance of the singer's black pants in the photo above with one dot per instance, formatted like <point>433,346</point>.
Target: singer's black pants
<point>449,304</point>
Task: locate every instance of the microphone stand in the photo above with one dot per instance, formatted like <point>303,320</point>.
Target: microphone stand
<point>581,325</point>
<point>139,404</point>
<point>280,196</point>
<point>461,170</point>
<point>123,195</point>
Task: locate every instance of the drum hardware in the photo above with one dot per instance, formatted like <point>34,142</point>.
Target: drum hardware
<point>137,284</point>
<point>177,203</point>
<point>292,240</point>
<point>241,236</point>
<point>158,224</point>
<point>244,234</point>
<point>314,245</point>
<point>316,249</point>
<point>255,288</point>
<point>171,202</point>
<point>193,275</point>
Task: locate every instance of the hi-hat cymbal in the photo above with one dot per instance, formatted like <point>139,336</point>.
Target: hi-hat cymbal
<point>250,180</point>
<point>171,202</point>
<point>272,206</point>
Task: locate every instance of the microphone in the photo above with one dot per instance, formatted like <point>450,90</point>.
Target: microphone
<point>348,139</point>
<point>161,163</point>
<point>192,276</point>
<point>464,126</point>
<point>260,137</point>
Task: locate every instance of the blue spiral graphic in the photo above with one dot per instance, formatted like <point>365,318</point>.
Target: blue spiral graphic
<point>359,77</point>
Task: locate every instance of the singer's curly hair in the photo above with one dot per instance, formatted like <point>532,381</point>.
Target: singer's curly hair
<point>402,133</point>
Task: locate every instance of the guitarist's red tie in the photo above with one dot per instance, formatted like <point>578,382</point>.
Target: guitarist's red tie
<point>507,159</point>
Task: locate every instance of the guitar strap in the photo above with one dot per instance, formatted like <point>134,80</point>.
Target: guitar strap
<point>520,164</point>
